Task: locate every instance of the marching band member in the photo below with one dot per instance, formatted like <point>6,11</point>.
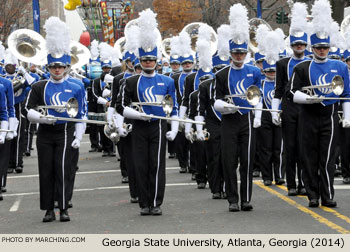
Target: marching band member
<point>3,126</point>
<point>290,116</point>
<point>148,134</point>
<point>237,125</point>
<point>271,145</point>
<point>318,117</point>
<point>56,139</point>
<point>125,143</point>
<point>98,87</point>
<point>181,49</point>
<point>212,117</point>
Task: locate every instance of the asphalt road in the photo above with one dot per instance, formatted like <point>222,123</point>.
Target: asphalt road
<point>101,206</point>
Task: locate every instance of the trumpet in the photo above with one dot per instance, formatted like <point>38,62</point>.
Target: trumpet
<point>17,82</point>
<point>71,107</point>
<point>252,95</point>
<point>167,104</point>
<point>336,86</point>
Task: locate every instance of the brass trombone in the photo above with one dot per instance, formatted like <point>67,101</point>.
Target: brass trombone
<point>71,107</point>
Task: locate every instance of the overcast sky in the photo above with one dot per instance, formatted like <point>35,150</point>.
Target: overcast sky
<point>74,22</point>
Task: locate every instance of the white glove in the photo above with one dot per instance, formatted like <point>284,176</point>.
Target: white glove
<point>101,101</point>
<point>182,113</point>
<point>200,135</point>
<point>276,119</point>
<point>257,122</point>
<point>122,132</point>
<point>188,135</point>
<point>119,124</point>
<point>108,78</point>
<point>106,93</point>
<point>257,115</point>
<point>133,114</point>
<point>302,98</point>
<point>21,70</point>
<point>3,125</point>
<point>35,117</point>
<point>170,135</point>
<point>79,131</point>
<point>110,112</point>
<point>12,125</point>
<point>29,78</point>
<point>346,115</point>
<point>221,106</point>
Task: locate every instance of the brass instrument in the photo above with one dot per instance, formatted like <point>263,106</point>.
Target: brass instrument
<point>252,95</point>
<point>253,26</point>
<point>336,86</point>
<point>193,28</point>
<point>80,54</point>
<point>17,82</point>
<point>193,135</point>
<point>166,49</point>
<point>28,46</point>
<point>344,25</point>
<point>71,107</point>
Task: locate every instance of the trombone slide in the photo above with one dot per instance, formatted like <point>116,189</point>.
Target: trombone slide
<point>3,130</point>
<point>327,98</point>
<point>75,120</point>
<point>173,119</point>
<point>252,108</point>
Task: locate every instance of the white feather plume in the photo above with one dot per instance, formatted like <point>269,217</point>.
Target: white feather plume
<point>2,51</point>
<point>148,27</point>
<point>204,54</point>
<point>239,23</point>
<point>116,57</point>
<point>9,58</point>
<point>271,46</point>
<point>131,39</point>
<point>106,51</point>
<point>299,18</point>
<point>95,52</point>
<point>223,40</point>
<point>186,43</point>
<point>204,32</point>
<point>57,36</point>
<point>336,39</point>
<point>261,33</point>
<point>281,37</point>
<point>347,37</point>
<point>175,46</point>
<point>322,16</point>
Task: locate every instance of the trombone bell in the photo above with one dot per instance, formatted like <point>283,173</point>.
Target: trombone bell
<point>71,107</point>
<point>336,85</point>
<point>252,95</point>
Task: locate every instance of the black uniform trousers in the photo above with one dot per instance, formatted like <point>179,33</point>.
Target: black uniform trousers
<point>107,144</point>
<point>182,149</point>
<point>237,132</point>
<point>149,147</point>
<point>318,135</point>
<point>127,166</point>
<point>55,156</point>
<point>271,152</point>
<point>200,162</point>
<point>75,160</point>
<point>345,151</point>
<point>290,121</point>
<point>29,133</point>
<point>213,154</point>
<point>4,161</point>
<point>192,168</point>
<point>18,143</point>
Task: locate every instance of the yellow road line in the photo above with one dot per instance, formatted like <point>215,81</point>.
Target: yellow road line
<point>314,215</point>
<point>326,209</point>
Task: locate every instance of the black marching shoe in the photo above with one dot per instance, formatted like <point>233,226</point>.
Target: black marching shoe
<point>280,181</point>
<point>346,180</point>
<point>10,170</point>
<point>70,204</point>
<point>256,174</point>
<point>314,203</point>
<point>233,207</point>
<point>292,192</point>
<point>156,211</point>
<point>125,180</point>
<point>27,153</point>
<point>223,195</point>
<point>216,195</point>
<point>201,185</point>
<point>267,182</point>
<point>329,203</point>
<point>134,200</point>
<point>3,189</point>
<point>246,206</point>
<point>302,191</point>
<point>19,169</point>
<point>64,217</point>
<point>93,150</point>
<point>1,198</point>
<point>193,176</point>
<point>49,216</point>
<point>183,170</point>
<point>145,211</point>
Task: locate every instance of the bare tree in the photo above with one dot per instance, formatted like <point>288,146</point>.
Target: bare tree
<point>10,12</point>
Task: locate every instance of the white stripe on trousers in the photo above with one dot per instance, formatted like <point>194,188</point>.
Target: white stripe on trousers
<point>159,146</point>
<point>250,132</point>
<point>328,154</point>
<point>63,157</point>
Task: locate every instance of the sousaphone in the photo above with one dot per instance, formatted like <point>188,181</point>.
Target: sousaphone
<point>28,46</point>
<point>80,54</point>
<point>253,26</point>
